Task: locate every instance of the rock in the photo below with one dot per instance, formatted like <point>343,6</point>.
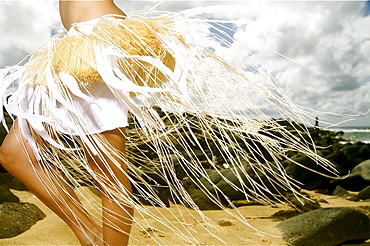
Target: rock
<point>11,182</point>
<point>229,182</point>
<point>322,201</point>
<point>340,192</point>
<point>364,194</point>
<point>358,179</point>
<point>343,193</point>
<point>353,183</point>
<point>202,200</point>
<point>363,170</point>
<point>339,159</point>
<point>240,203</point>
<point>162,198</point>
<point>303,204</point>
<point>348,155</point>
<point>326,227</point>
<point>352,197</point>
<point>224,223</point>
<point>16,218</point>
<point>309,179</point>
<point>199,197</point>
<point>2,169</point>
<point>3,132</point>
<point>285,214</point>
<point>6,195</point>
<point>356,153</point>
<point>323,191</point>
<point>363,209</point>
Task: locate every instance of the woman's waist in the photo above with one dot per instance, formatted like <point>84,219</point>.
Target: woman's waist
<point>70,11</point>
<point>86,27</point>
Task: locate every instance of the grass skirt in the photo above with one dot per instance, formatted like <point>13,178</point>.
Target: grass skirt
<point>194,113</point>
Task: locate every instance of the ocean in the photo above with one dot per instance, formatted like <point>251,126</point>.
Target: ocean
<point>354,133</point>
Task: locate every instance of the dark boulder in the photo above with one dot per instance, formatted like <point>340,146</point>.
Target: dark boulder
<point>17,218</point>
<point>302,204</point>
<point>358,179</point>
<point>3,131</point>
<point>343,193</point>
<point>356,153</point>
<point>235,184</point>
<point>240,183</point>
<point>159,196</point>
<point>309,179</point>
<point>364,194</point>
<point>285,214</point>
<point>363,170</point>
<point>241,203</point>
<point>326,227</point>
<point>11,182</point>
<point>202,201</point>
<point>199,196</point>
<point>347,156</point>
<point>363,209</point>
<point>6,195</point>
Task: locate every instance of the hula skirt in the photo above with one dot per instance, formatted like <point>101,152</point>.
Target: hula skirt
<point>193,105</point>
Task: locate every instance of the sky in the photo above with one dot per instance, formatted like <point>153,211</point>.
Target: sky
<point>318,51</point>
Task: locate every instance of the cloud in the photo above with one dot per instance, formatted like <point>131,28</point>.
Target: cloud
<point>328,42</point>
<point>172,6</point>
<point>318,51</point>
<point>24,25</point>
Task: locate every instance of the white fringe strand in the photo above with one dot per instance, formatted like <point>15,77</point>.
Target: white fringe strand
<point>209,107</point>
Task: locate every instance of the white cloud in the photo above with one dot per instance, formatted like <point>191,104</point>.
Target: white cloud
<point>24,25</point>
<point>332,38</point>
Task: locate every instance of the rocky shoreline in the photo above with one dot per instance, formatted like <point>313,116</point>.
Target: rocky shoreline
<point>352,160</point>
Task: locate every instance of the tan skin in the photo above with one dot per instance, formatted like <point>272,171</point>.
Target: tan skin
<point>18,159</point>
<point>70,11</point>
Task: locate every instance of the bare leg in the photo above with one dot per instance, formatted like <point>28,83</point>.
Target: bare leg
<point>18,159</point>
<point>111,172</point>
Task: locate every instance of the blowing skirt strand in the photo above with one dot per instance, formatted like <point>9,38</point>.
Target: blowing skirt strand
<point>192,114</point>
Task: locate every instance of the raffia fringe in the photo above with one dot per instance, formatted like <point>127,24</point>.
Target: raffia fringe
<point>75,55</point>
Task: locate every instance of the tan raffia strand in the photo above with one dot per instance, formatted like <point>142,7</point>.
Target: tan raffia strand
<point>185,100</point>
<point>75,55</point>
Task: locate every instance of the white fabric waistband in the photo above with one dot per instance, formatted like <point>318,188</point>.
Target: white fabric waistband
<point>86,27</point>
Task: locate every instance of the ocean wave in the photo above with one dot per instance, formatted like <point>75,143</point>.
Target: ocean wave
<point>367,130</point>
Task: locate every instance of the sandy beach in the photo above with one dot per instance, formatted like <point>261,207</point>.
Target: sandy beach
<point>53,231</point>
